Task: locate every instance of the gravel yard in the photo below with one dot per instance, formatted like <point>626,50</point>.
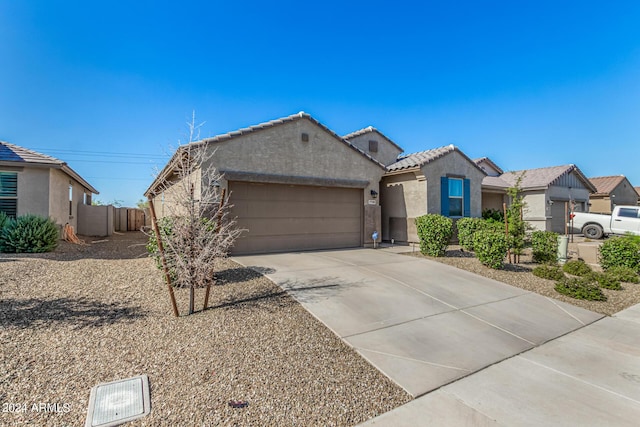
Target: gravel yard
<point>83,315</point>
<point>520,275</point>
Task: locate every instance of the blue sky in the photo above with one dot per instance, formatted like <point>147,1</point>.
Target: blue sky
<point>109,86</point>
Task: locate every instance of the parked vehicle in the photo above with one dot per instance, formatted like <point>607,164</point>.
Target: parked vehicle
<point>623,220</point>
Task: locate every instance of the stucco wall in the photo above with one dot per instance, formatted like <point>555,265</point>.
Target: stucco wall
<point>279,150</point>
<point>387,152</point>
<point>403,198</point>
<point>59,198</point>
<point>95,220</point>
<point>624,195</point>
<point>33,191</point>
<point>453,164</point>
<point>493,201</point>
<point>601,205</point>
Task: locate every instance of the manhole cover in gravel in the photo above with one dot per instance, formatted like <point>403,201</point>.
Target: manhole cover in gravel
<point>117,402</point>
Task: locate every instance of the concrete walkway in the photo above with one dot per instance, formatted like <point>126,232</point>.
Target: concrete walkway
<point>426,324</point>
<point>590,377</point>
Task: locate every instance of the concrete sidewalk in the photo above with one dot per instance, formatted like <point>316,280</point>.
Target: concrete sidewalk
<point>422,323</point>
<point>590,377</point>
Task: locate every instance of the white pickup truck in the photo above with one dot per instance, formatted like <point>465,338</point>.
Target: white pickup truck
<point>623,220</point>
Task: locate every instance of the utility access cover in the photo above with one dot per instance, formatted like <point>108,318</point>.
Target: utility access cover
<point>118,402</point>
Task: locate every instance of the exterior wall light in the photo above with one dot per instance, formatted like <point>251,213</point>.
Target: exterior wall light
<point>374,194</point>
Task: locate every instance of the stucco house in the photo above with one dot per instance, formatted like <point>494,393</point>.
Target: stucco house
<point>296,185</point>
<point>611,191</point>
<point>34,183</point>
<point>546,191</point>
<point>438,181</point>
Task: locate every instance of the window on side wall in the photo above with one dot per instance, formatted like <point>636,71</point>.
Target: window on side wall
<point>9,193</point>
<point>456,201</point>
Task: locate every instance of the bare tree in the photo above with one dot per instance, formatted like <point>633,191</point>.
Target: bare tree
<point>197,232</point>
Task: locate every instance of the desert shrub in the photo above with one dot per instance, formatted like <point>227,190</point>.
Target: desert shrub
<point>544,246</point>
<point>493,214</point>
<point>434,232</point>
<point>576,267</point>
<point>604,280</point>
<point>551,272</point>
<point>580,288</point>
<point>624,274</point>
<point>164,226</point>
<point>620,252</point>
<point>4,219</point>
<point>467,227</point>
<point>490,248</point>
<point>29,233</point>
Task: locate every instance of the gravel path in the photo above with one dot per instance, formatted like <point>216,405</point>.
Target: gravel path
<point>83,315</point>
<point>520,275</point>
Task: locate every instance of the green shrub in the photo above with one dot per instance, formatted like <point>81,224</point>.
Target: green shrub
<point>551,272</point>
<point>434,232</point>
<point>624,274</point>
<point>604,280</point>
<point>580,288</point>
<point>577,267</point>
<point>490,248</point>
<point>493,214</point>
<point>164,226</point>
<point>545,246</point>
<point>29,233</point>
<point>4,219</point>
<point>467,227</point>
<point>620,252</point>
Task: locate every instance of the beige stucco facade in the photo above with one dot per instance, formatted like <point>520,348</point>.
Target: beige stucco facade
<point>387,151</point>
<point>297,152</point>
<point>408,195</point>
<point>44,191</point>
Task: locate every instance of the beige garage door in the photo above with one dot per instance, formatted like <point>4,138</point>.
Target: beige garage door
<point>295,217</point>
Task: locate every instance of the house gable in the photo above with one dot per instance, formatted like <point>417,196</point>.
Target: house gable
<point>376,144</point>
<point>488,166</point>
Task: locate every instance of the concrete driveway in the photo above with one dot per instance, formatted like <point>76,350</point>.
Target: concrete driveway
<point>422,323</point>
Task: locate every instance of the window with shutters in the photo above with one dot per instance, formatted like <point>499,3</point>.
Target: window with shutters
<point>9,193</point>
<point>455,197</point>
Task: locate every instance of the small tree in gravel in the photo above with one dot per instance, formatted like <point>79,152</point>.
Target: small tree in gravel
<point>517,226</point>
<point>198,231</point>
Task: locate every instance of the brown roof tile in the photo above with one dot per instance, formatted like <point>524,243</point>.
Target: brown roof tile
<point>543,177</point>
<point>606,184</point>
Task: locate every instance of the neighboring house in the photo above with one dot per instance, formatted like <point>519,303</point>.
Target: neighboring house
<point>611,191</point>
<point>34,183</point>
<point>439,181</point>
<point>296,185</point>
<point>638,191</point>
<point>547,192</point>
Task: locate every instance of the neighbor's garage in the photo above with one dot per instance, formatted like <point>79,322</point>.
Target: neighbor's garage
<point>281,217</point>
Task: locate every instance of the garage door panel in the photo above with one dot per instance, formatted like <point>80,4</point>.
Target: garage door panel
<point>558,216</point>
<point>293,243</point>
<point>288,209</point>
<point>301,226</point>
<point>289,217</point>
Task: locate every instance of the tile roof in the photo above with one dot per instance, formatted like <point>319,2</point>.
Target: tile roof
<point>495,182</point>
<point>637,190</point>
<point>606,184</point>
<point>10,153</point>
<point>490,162</point>
<point>370,129</point>
<point>14,153</point>
<point>416,160</point>
<point>544,177</point>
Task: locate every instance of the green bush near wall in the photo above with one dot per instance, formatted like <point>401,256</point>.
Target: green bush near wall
<point>490,248</point>
<point>468,227</point>
<point>29,233</point>
<point>620,252</point>
<point>434,232</point>
<point>544,246</point>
